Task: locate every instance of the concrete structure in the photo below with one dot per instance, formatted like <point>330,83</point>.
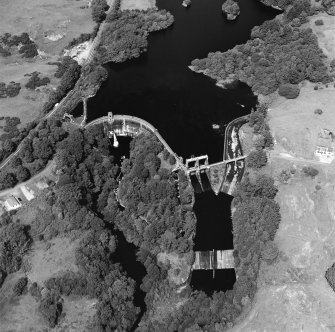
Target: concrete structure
<point>12,203</point>
<point>126,125</point>
<point>325,154</point>
<point>27,192</point>
<point>214,260</point>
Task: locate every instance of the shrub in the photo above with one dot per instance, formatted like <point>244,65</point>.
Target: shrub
<point>310,171</point>
<point>318,111</point>
<point>270,252</point>
<point>35,81</point>
<point>4,52</point>
<point>166,154</point>
<point>289,91</point>
<point>35,291</point>
<point>330,276</point>
<point>2,277</point>
<point>318,22</point>
<point>172,160</point>
<point>51,308</point>
<point>29,50</point>
<point>82,38</point>
<point>13,89</point>
<point>20,286</point>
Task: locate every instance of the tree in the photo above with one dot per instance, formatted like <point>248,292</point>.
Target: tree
<point>256,159</point>
<point>289,91</point>
<point>7,180</point>
<point>14,242</point>
<point>231,9</point>
<point>22,173</point>
<point>310,171</point>
<point>42,148</point>
<point>51,308</point>
<point>20,286</point>
<point>98,10</point>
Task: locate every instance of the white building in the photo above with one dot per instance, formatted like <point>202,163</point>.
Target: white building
<point>12,203</point>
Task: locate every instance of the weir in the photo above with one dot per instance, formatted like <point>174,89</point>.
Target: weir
<point>214,260</point>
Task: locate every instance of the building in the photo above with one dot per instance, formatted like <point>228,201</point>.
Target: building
<point>12,203</point>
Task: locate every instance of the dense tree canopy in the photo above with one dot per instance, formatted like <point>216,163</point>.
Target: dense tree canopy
<point>125,36</point>
<point>278,53</point>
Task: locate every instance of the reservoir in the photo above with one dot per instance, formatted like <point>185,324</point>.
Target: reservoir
<point>183,106</point>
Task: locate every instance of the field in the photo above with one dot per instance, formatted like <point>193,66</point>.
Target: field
<point>137,4</point>
<point>293,294</point>
<point>52,25</point>
<point>325,33</point>
<point>294,124</point>
<point>44,260</point>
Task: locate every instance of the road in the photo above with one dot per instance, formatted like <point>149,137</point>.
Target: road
<point>51,113</point>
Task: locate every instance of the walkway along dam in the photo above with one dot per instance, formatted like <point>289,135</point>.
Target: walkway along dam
<point>126,125</point>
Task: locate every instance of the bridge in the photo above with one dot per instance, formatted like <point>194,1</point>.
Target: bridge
<point>214,260</point>
<point>201,168</point>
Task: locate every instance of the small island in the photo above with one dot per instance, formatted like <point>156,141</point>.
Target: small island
<point>231,9</point>
<point>186,3</point>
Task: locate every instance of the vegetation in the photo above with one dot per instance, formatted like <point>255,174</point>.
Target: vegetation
<point>51,308</point>
<point>14,242</point>
<point>11,90</point>
<point>310,171</point>
<point>330,276</point>
<point>68,71</point>
<point>289,91</point>
<point>20,286</point>
<point>231,9</point>
<point>35,81</point>
<point>99,8</point>
<point>277,54</point>
<point>27,47</point>
<point>256,159</point>
<point>81,39</point>
<point>153,215</point>
<point>126,34</point>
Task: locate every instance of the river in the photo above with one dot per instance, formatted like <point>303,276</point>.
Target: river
<point>160,88</point>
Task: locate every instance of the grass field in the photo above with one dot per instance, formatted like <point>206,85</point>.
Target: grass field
<point>293,293</point>
<point>137,4</point>
<point>325,33</point>
<point>294,124</point>
<point>45,21</point>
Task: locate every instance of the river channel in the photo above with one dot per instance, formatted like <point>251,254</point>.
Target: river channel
<point>187,108</point>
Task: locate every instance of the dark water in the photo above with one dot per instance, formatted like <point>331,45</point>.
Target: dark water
<point>214,231</point>
<point>160,88</point>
